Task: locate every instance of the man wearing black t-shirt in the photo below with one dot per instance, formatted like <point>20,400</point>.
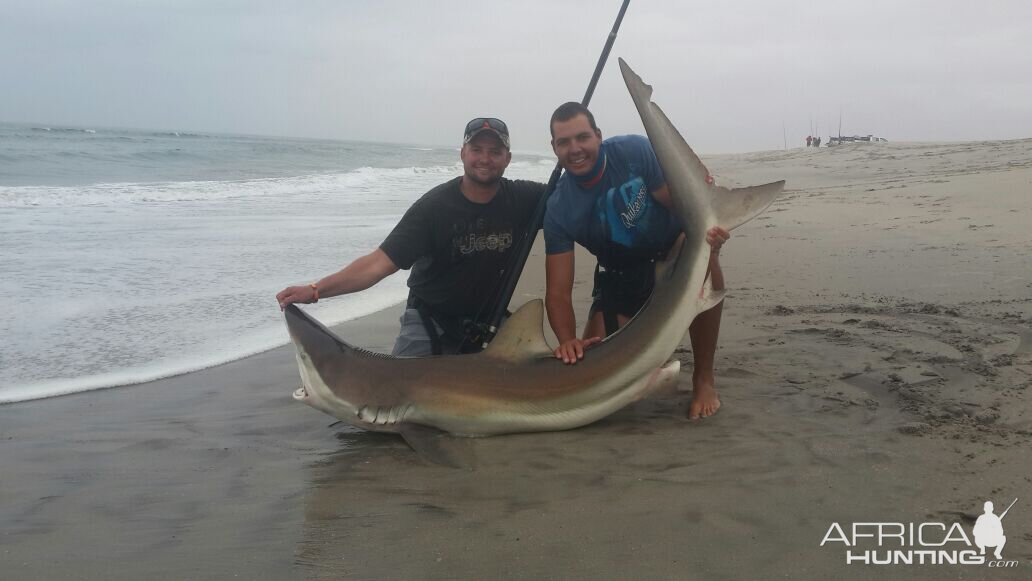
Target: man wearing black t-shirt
<point>456,238</point>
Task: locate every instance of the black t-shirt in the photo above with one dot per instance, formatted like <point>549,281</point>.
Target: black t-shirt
<point>456,248</point>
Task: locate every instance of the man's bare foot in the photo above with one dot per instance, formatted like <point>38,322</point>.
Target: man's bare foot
<point>705,402</point>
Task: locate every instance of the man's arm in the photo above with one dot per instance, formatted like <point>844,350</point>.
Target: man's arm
<point>662,195</point>
<point>559,304</point>
<point>361,274</point>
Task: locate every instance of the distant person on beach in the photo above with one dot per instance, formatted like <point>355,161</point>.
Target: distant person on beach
<point>809,140</point>
<point>613,200</point>
<point>456,239</point>
<point>817,142</point>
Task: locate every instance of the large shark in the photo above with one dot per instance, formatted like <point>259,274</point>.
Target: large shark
<point>516,384</point>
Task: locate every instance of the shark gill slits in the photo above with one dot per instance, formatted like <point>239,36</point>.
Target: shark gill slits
<point>373,415</point>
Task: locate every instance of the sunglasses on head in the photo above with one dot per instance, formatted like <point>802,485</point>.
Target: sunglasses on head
<point>487,122</point>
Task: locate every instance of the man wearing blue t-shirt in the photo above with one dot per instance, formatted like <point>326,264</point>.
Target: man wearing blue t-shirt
<point>613,200</point>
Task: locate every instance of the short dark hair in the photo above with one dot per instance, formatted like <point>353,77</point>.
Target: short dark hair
<point>568,111</point>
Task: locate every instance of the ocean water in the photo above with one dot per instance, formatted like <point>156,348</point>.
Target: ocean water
<point>129,255</point>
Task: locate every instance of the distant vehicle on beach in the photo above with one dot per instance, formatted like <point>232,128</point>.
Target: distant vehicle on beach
<point>832,141</point>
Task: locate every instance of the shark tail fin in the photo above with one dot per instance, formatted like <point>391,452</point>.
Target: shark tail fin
<point>732,208</point>
<point>641,91</point>
<point>641,94</point>
<point>736,207</point>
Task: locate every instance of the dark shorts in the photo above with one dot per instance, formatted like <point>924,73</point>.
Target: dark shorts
<point>623,291</point>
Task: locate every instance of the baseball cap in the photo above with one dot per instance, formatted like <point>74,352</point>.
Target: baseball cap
<point>496,126</point>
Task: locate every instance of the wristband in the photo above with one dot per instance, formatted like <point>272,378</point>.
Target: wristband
<point>316,289</point>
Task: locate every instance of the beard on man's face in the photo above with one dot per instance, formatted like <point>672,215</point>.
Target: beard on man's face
<point>491,181</point>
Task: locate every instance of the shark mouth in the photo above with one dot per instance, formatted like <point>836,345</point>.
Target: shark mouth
<point>301,393</point>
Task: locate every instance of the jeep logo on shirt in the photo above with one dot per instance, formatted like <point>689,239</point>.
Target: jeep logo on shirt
<point>471,243</point>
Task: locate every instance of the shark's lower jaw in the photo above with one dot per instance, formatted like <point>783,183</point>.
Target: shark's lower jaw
<point>315,393</point>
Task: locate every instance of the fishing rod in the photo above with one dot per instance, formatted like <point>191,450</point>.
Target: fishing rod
<point>1004,513</point>
<point>511,275</point>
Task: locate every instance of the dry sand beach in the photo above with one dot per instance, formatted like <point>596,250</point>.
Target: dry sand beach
<point>875,365</point>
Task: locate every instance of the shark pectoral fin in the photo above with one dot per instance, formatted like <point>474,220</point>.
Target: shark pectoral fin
<point>521,337</point>
<point>439,447</point>
<point>710,298</point>
<point>736,207</point>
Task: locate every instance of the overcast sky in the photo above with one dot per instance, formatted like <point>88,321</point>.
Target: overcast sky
<point>730,74</point>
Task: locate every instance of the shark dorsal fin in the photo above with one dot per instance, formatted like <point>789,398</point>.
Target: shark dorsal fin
<point>736,207</point>
<point>520,337</point>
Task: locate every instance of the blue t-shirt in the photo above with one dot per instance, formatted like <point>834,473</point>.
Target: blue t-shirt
<point>618,209</point>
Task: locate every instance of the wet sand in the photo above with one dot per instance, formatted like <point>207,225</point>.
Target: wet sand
<point>875,365</point>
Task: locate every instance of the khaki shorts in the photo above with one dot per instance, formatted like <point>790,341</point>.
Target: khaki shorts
<point>414,342</point>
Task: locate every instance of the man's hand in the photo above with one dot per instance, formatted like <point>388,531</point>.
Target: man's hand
<point>716,237</point>
<point>296,294</point>
<point>572,350</point>
<point>362,273</point>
